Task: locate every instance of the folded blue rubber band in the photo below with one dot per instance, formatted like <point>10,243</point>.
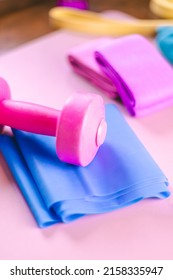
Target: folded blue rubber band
<point>164,40</point>
<point>121,174</point>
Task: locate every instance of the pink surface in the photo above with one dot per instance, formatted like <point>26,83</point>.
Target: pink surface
<point>38,72</point>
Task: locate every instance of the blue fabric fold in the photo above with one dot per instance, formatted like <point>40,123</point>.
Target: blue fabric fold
<point>122,173</point>
<point>164,40</point>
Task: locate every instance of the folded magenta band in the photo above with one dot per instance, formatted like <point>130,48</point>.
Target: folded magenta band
<point>129,67</point>
<point>164,40</point>
<point>121,174</point>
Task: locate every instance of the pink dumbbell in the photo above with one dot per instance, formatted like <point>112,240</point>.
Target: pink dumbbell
<point>80,128</point>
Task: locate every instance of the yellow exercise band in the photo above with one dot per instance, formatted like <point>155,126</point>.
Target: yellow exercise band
<point>96,24</point>
<point>162,8</point>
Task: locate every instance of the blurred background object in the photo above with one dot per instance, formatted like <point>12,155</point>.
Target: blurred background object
<point>23,21</point>
<point>13,5</point>
<point>162,8</point>
<point>78,4</point>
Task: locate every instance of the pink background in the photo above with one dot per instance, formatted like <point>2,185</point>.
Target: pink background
<point>38,72</point>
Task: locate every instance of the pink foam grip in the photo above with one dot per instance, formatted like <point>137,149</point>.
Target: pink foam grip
<point>26,116</point>
<point>4,94</point>
<point>29,117</point>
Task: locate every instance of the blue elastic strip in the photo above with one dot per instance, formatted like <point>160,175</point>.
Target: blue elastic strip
<point>121,174</point>
<point>26,183</point>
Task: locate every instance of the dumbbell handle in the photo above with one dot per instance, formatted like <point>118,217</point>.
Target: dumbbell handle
<point>29,117</point>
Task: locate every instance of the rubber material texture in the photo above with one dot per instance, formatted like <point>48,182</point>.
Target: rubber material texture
<point>140,74</point>
<point>122,173</point>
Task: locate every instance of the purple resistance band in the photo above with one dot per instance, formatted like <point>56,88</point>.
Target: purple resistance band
<point>129,67</point>
<point>78,4</point>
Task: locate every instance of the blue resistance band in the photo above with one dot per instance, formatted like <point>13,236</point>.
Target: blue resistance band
<point>164,40</point>
<point>122,173</point>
